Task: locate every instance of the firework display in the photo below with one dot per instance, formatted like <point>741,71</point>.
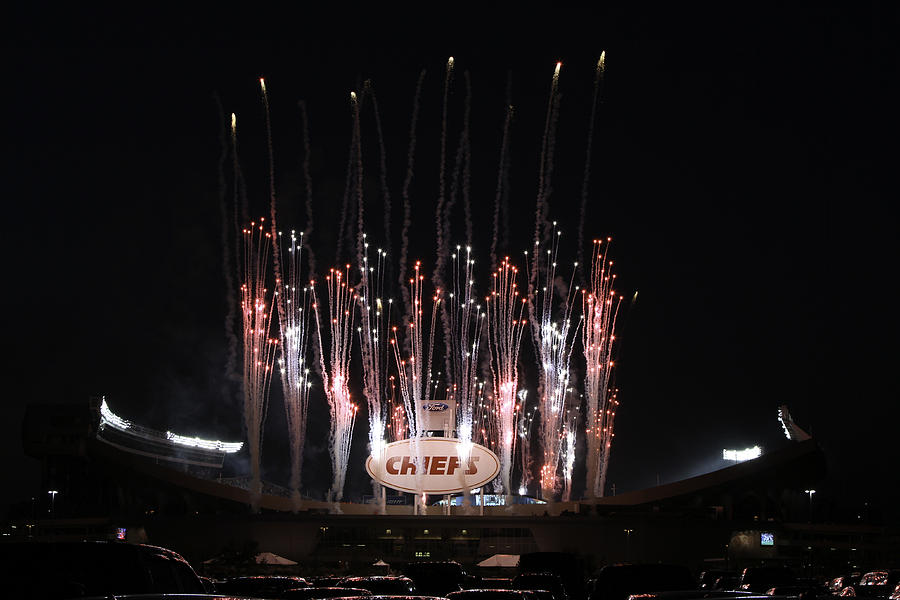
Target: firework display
<point>551,305</point>
<point>463,348</point>
<point>259,347</point>
<point>294,302</point>
<point>600,306</point>
<point>334,358</point>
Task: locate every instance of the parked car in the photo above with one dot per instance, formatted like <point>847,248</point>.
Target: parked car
<point>808,591</point>
<point>697,595</point>
<point>569,566</point>
<point>167,597</point>
<point>491,594</point>
<point>759,580</point>
<point>208,584</point>
<point>437,577</point>
<point>51,570</point>
<point>261,586</point>
<point>836,584</point>
<point>875,584</point>
<point>617,582</point>
<point>398,597</point>
<point>381,584</point>
<point>727,583</point>
<point>324,580</point>
<point>323,593</point>
<point>710,577</point>
<point>541,581</point>
<point>493,583</point>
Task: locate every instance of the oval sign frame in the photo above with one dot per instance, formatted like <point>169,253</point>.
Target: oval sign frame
<point>436,480</point>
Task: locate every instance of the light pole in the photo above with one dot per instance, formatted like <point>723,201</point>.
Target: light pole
<point>627,536</point>
<point>810,494</point>
<point>53,494</point>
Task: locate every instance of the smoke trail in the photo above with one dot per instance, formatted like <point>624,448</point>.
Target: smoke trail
<point>241,210</point>
<point>336,374</point>
<point>462,172</point>
<point>228,269</point>
<point>272,206</point>
<point>440,241</point>
<point>600,307</point>
<point>385,192</point>
<point>407,209</point>
<point>294,302</point>
<point>541,208</point>
<point>358,177</point>
<point>344,226</point>
<point>548,174</point>
<point>598,83</point>
<point>504,204</point>
<point>501,180</point>
<point>458,185</point>
<point>259,348</point>
<point>309,189</point>
<point>467,200</point>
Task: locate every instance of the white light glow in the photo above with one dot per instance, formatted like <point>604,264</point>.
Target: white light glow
<point>107,416</point>
<point>226,447</point>
<point>742,455</point>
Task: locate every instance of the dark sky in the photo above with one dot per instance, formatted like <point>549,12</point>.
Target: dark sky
<point>740,164</point>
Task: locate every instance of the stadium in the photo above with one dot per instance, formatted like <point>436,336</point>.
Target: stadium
<point>123,480</point>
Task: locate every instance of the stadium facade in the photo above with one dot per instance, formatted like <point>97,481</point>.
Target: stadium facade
<point>138,484</point>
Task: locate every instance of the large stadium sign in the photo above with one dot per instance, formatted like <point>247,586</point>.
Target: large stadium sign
<point>448,466</point>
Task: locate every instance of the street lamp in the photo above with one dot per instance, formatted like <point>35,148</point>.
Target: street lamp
<point>810,494</point>
<point>53,494</point>
<point>627,536</point>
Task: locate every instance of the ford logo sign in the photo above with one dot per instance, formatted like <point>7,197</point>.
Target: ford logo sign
<point>436,406</point>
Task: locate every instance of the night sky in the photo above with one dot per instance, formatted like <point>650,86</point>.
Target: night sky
<point>741,162</point>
